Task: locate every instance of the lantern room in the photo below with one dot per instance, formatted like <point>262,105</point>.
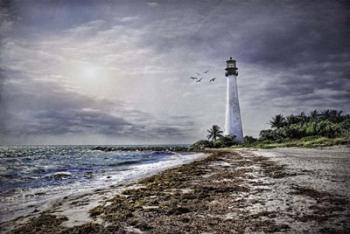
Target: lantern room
<point>231,69</point>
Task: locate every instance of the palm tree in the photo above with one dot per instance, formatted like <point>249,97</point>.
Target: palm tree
<point>332,115</point>
<point>278,121</point>
<point>326,114</point>
<point>214,132</point>
<point>292,119</point>
<point>340,117</point>
<point>314,114</point>
<point>336,116</point>
<point>303,118</point>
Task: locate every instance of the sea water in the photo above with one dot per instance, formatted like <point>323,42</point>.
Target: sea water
<point>32,175</point>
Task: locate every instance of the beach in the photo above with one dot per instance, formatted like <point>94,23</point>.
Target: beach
<point>37,178</point>
<point>288,190</point>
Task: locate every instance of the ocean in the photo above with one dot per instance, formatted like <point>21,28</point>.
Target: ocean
<point>34,175</point>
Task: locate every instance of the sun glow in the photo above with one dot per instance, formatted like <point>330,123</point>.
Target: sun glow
<point>90,73</point>
<point>90,78</point>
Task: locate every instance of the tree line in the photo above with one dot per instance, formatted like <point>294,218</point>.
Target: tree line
<point>327,123</point>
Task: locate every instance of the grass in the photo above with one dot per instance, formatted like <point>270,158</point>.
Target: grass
<point>306,142</point>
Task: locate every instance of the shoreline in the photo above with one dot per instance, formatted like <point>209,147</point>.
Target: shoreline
<point>75,206</point>
<point>229,190</point>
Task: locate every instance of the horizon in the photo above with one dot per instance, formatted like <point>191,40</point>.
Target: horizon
<point>118,72</point>
<point>175,144</point>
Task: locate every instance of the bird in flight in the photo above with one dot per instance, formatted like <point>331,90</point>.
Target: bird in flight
<point>212,79</point>
<point>206,71</point>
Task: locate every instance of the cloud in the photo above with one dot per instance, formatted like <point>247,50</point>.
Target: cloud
<point>123,67</point>
<point>152,4</point>
<point>55,111</point>
<point>129,19</point>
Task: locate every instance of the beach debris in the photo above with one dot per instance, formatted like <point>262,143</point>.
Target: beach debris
<point>150,207</point>
<point>232,199</point>
<point>130,229</point>
<point>186,191</point>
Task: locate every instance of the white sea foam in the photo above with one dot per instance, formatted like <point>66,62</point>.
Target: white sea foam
<point>23,200</point>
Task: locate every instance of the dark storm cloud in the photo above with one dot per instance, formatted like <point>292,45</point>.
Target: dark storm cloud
<point>5,24</point>
<point>312,34</point>
<point>312,50</point>
<point>77,121</point>
<point>55,111</point>
<point>306,44</point>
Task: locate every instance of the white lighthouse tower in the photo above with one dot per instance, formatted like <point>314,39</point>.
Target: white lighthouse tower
<point>233,123</point>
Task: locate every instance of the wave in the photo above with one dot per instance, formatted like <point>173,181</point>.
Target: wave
<point>59,175</point>
<point>162,153</point>
<point>126,163</point>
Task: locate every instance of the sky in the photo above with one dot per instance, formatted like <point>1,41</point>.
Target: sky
<point>118,72</point>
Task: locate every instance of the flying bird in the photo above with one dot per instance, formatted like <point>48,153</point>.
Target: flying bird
<point>206,71</point>
<point>212,79</point>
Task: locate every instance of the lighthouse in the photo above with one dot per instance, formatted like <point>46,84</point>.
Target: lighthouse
<point>233,123</point>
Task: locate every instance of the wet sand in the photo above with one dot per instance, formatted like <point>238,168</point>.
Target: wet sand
<point>232,191</point>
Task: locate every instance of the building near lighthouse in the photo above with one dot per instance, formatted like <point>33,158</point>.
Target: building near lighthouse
<point>233,123</point>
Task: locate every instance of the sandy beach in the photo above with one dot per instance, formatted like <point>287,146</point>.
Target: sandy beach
<point>287,190</point>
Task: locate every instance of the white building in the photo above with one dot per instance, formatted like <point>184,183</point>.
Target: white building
<point>233,123</point>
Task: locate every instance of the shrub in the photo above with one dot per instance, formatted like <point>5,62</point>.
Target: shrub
<point>328,129</point>
<point>249,140</point>
<point>225,141</point>
<point>345,127</point>
<point>272,135</point>
<point>266,135</point>
<point>328,123</point>
<point>310,128</point>
<point>201,145</point>
<point>295,131</point>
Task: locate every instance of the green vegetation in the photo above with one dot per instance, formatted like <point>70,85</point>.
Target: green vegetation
<point>214,133</point>
<point>215,140</point>
<point>329,123</point>
<point>307,142</point>
<point>326,128</point>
